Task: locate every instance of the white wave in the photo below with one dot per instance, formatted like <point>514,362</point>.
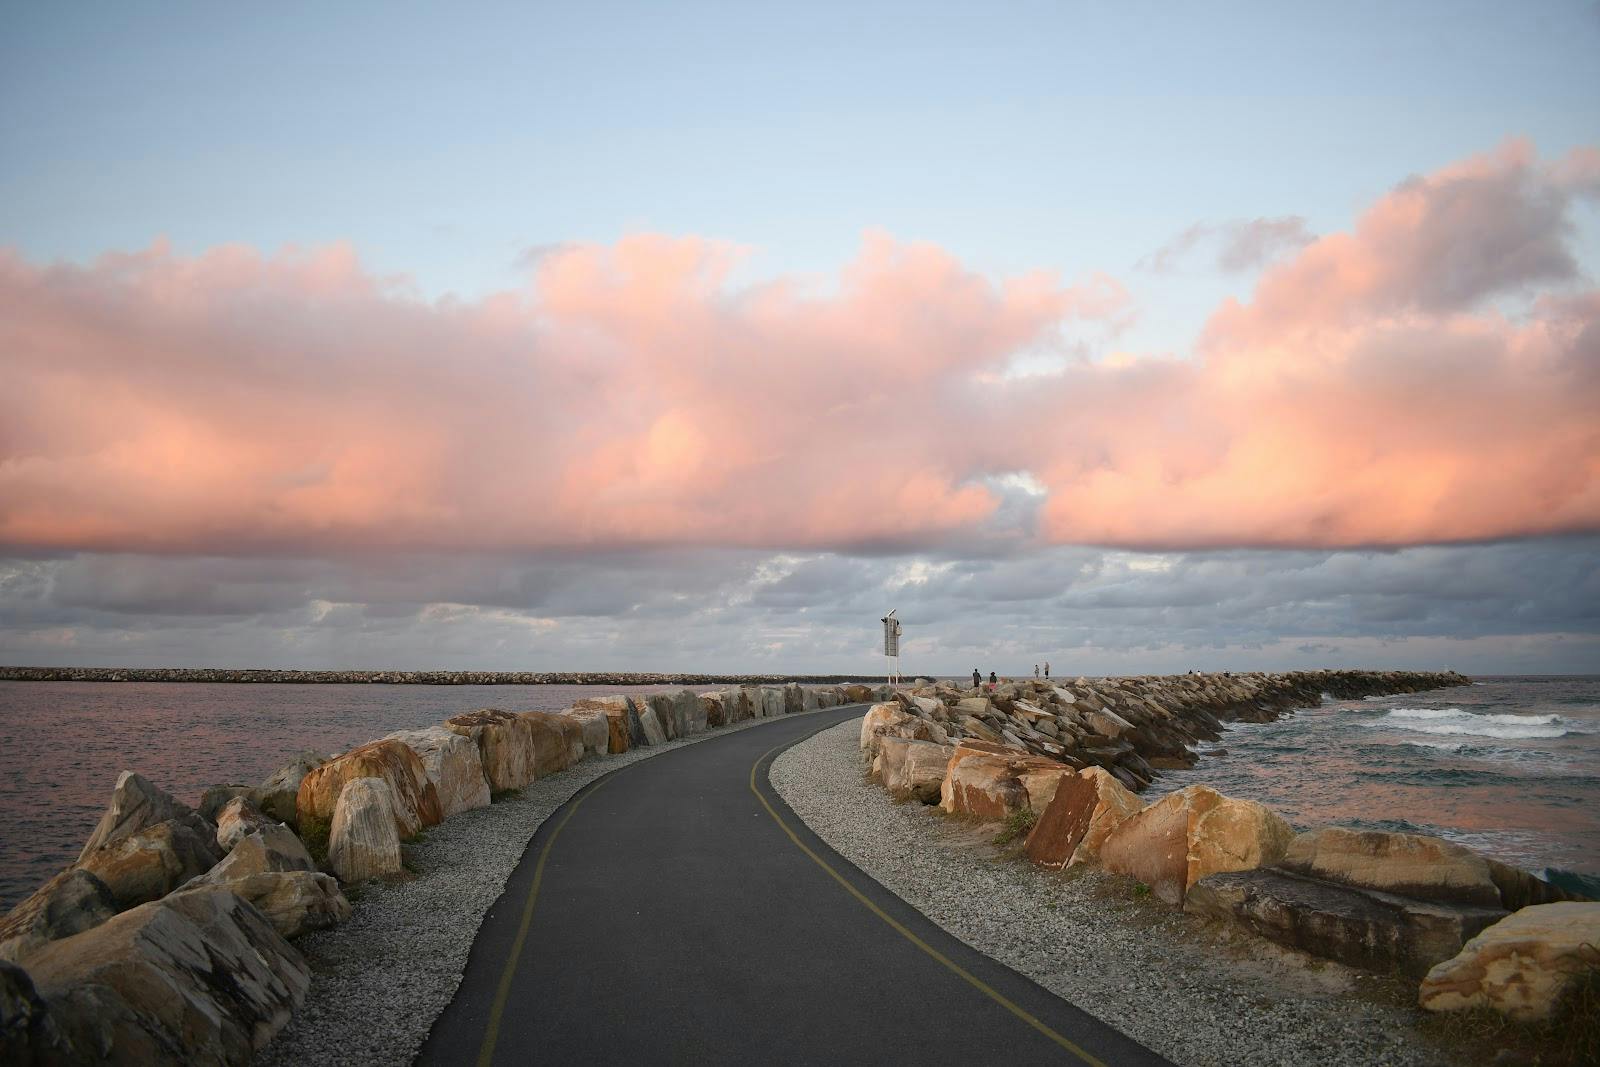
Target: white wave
<point>1425,713</point>
<point>1474,729</point>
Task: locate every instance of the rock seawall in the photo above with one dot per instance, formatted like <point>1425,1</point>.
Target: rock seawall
<point>230,674</point>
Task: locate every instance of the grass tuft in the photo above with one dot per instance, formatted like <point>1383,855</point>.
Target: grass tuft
<point>314,835</point>
<point>501,795</point>
<point>1570,1037</point>
<point>1016,826</point>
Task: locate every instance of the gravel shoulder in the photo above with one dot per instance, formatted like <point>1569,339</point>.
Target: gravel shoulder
<point>381,979</point>
<point>1198,993</point>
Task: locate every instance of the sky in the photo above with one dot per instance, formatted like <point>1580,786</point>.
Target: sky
<point>1132,337</point>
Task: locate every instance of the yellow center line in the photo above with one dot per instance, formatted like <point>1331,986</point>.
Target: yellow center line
<point>491,1032</point>
<point>899,928</point>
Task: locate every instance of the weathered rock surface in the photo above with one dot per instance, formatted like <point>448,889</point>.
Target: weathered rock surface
<point>595,727</point>
<point>364,840</point>
<point>1086,807</point>
<point>990,781</point>
<point>1521,966</point>
<point>213,800</point>
<point>153,862</point>
<point>1410,865</point>
<point>1363,928</point>
<point>453,764</point>
<point>651,725</point>
<point>200,977</point>
<point>415,800</point>
<point>557,742</point>
<point>278,796</point>
<point>274,847</point>
<point>622,721</point>
<point>239,818</point>
<point>70,903</point>
<point>1189,834</point>
<point>878,718</point>
<point>505,745</point>
<point>912,769</point>
<point>294,902</point>
<point>135,805</point>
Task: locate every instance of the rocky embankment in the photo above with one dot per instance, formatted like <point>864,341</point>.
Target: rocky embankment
<point>171,938</point>
<point>1063,763</point>
<point>229,674</point>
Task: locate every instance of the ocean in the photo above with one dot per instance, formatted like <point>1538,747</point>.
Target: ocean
<point>63,744</point>
<point>1507,766</point>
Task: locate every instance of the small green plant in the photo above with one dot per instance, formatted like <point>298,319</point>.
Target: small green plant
<point>501,795</point>
<point>314,835</point>
<point>1140,889</point>
<point>1016,826</point>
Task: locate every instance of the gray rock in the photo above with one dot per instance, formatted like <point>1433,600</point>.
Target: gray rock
<point>135,805</point>
<point>237,819</point>
<point>276,796</point>
<point>274,847</point>
<point>28,1032</point>
<point>70,903</point>
<point>213,800</point>
<point>1364,928</point>
<point>201,977</point>
<point>153,862</point>
<point>295,902</point>
<point>363,841</point>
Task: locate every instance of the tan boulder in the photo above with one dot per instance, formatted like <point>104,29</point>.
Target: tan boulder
<point>711,707</point>
<point>70,903</point>
<point>557,742</point>
<point>981,784</point>
<point>855,694</point>
<point>135,805</point>
<point>415,800</point>
<point>622,721</point>
<point>453,765</point>
<point>912,769</point>
<point>1189,834</point>
<point>1523,965</point>
<point>295,902</point>
<point>151,863</point>
<point>1041,782</point>
<point>594,727</point>
<point>878,717</point>
<point>364,840</point>
<point>199,977</point>
<point>1085,808</point>
<point>213,800</point>
<point>272,848</point>
<point>661,704</point>
<point>505,745</point>
<point>1410,865</point>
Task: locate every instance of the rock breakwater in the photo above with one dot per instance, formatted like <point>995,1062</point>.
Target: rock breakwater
<point>288,677</point>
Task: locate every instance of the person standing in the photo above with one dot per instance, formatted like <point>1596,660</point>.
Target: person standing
<point>1036,671</point>
<point>993,681</point>
<point>977,679</point>
<point>1047,669</point>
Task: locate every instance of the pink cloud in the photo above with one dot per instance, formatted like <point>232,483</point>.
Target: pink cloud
<point>632,395</point>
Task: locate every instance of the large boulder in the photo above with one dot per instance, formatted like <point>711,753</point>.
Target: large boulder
<point>689,713</point>
<point>651,724</point>
<point>453,764</point>
<point>1519,889</point>
<point>1521,966</point>
<point>912,769</point>
<point>875,722</point>
<point>273,847</point>
<point>661,705</point>
<point>213,800</point>
<point>624,731</point>
<point>364,841</point>
<point>854,693</point>
<point>1189,834</point>
<point>557,742</point>
<point>981,784</point>
<point>1086,807</point>
<point>416,801</point>
<point>135,805</point>
<point>199,977</point>
<point>70,903</point>
<point>505,745</point>
<point>278,796</point>
<point>711,707</point>
<point>294,902</point>
<point>595,727</point>
<point>153,862</point>
<point>1362,928</point>
<point>1410,865</point>
<point>771,701</point>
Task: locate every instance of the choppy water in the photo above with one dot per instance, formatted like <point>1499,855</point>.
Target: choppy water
<point>62,745</point>
<point>1508,766</point>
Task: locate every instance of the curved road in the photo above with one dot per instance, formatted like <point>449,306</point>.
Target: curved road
<point>677,911</point>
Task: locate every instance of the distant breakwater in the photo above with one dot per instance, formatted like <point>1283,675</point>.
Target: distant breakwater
<point>229,674</point>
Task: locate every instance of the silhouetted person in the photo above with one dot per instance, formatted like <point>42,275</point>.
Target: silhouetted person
<point>977,679</point>
<point>993,681</point>
<point>1047,668</point>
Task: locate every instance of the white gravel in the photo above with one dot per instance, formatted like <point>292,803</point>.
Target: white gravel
<point>1196,992</point>
<point>381,979</point>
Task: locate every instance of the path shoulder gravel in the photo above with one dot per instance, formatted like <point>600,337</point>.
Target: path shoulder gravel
<point>1198,993</point>
<point>381,979</point>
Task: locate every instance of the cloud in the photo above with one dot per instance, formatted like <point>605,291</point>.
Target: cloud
<point>1372,391</point>
<point>1241,244</point>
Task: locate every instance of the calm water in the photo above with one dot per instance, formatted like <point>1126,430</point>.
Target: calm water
<point>1509,766</point>
<point>62,745</point>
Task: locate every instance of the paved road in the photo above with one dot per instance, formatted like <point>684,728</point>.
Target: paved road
<point>676,911</point>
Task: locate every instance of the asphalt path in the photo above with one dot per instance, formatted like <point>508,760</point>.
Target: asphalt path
<point>677,911</point>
